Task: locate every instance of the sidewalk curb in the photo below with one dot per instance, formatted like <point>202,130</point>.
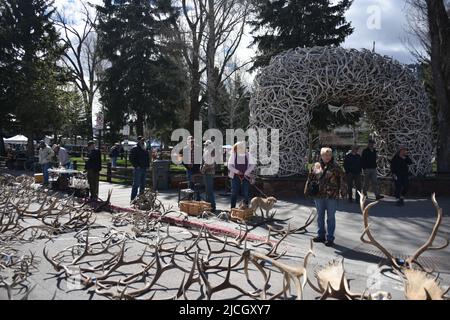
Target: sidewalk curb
<point>194,224</point>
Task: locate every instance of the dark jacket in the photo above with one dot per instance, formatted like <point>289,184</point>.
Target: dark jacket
<point>193,167</point>
<point>353,163</point>
<point>331,185</point>
<point>139,157</point>
<point>399,165</point>
<point>115,152</point>
<point>95,161</point>
<point>369,159</point>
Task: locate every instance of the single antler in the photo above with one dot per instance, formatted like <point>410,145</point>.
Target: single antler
<point>428,245</point>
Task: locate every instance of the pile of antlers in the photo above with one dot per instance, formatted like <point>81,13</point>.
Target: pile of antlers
<point>45,215</point>
<point>203,258</point>
<point>15,270</point>
<point>148,201</point>
<point>141,257</point>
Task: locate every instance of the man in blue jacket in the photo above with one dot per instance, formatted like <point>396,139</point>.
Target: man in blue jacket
<point>353,167</point>
<point>140,159</point>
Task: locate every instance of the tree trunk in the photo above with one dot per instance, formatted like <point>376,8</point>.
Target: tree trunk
<point>30,145</point>
<point>194,96</point>
<point>88,111</point>
<point>140,124</point>
<point>2,144</point>
<point>210,64</point>
<point>439,27</point>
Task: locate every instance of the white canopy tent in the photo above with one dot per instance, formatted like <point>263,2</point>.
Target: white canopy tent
<point>155,144</point>
<point>19,139</point>
<point>130,143</point>
<point>127,145</point>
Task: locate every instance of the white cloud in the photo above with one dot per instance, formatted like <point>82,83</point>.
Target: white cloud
<point>390,37</point>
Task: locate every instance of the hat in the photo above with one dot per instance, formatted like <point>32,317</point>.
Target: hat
<point>139,138</point>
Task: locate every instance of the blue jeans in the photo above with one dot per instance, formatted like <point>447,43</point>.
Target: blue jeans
<point>189,178</point>
<point>45,168</point>
<point>68,165</point>
<point>139,182</point>
<point>113,162</point>
<point>235,188</point>
<point>209,183</point>
<point>330,205</point>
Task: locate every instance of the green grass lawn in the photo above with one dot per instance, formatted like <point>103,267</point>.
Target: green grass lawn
<point>177,169</point>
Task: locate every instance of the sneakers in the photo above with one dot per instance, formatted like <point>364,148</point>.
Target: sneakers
<point>329,243</point>
<point>319,239</point>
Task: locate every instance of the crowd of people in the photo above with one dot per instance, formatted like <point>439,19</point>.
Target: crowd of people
<point>327,183</point>
<point>240,167</point>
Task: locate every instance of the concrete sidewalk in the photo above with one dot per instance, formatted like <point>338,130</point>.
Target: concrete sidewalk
<point>400,229</point>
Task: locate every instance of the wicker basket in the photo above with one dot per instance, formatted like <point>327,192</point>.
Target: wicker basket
<point>38,178</point>
<point>241,214</point>
<point>194,208</point>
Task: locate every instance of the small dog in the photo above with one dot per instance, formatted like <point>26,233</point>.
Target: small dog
<point>263,204</point>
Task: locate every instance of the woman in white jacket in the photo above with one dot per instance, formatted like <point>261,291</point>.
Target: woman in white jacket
<point>45,158</point>
<point>240,167</point>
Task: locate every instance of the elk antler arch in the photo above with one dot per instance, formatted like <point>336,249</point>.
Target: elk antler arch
<point>298,80</point>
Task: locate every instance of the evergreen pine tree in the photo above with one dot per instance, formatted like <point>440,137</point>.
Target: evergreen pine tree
<point>142,79</point>
<point>29,56</point>
<point>285,24</point>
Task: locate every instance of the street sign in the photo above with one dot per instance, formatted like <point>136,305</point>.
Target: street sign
<point>126,130</point>
<point>99,121</point>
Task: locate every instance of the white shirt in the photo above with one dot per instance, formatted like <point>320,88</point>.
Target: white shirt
<point>63,156</point>
<point>45,155</point>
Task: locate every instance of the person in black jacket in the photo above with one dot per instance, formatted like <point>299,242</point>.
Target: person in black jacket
<point>353,166</point>
<point>93,168</point>
<point>140,159</point>
<point>369,165</point>
<point>400,174</point>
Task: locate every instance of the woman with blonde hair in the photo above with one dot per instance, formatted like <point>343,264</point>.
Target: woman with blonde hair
<point>326,184</point>
<point>240,167</point>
